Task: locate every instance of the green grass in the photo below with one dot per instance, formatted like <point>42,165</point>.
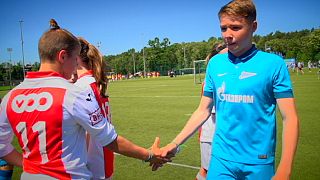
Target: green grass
<point>145,108</point>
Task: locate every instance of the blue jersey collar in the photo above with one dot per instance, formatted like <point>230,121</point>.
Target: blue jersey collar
<point>244,57</point>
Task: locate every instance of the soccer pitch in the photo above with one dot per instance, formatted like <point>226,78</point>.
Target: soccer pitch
<point>145,108</point>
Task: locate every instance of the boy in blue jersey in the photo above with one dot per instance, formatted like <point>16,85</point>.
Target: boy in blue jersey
<point>245,86</point>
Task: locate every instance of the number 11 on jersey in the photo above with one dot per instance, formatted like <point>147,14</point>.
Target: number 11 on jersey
<point>39,127</point>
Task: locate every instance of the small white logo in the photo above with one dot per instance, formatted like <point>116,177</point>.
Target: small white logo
<point>223,74</point>
<point>245,75</point>
<point>31,102</point>
<point>221,91</point>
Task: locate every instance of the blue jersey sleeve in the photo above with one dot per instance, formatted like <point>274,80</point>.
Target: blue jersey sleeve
<point>208,83</point>
<point>282,87</point>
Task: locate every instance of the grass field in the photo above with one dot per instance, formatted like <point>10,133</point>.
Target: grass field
<point>145,108</point>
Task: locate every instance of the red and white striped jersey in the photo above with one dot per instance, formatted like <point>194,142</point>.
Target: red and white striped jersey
<point>50,117</point>
<point>100,159</point>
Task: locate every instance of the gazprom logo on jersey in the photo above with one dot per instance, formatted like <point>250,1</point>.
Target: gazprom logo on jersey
<point>235,98</point>
<point>31,102</point>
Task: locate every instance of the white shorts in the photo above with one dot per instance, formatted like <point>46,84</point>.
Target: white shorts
<point>205,149</point>
<point>28,176</point>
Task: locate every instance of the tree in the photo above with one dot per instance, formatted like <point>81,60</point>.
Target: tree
<point>162,56</point>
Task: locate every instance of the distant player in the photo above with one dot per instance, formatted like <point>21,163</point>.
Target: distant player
<point>300,68</point>
<point>309,65</point>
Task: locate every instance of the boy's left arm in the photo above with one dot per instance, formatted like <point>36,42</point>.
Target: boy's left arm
<point>290,135</point>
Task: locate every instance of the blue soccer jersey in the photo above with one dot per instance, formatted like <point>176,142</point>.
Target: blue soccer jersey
<point>245,90</point>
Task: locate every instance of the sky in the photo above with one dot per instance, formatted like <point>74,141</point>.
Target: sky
<point>119,25</point>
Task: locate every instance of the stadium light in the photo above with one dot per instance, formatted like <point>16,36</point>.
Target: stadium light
<point>23,70</point>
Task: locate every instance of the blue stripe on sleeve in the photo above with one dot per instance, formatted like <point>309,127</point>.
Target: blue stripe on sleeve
<point>287,94</point>
<point>208,94</point>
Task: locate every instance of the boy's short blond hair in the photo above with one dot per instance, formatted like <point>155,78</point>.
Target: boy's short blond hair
<point>242,8</point>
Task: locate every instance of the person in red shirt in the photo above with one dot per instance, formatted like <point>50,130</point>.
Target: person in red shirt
<point>50,117</point>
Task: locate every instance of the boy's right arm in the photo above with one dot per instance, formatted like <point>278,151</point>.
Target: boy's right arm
<point>125,147</point>
<point>196,120</point>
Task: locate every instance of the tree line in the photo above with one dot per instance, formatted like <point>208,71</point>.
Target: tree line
<point>162,56</point>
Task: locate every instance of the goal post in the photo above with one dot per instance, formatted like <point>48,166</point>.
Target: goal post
<point>199,70</point>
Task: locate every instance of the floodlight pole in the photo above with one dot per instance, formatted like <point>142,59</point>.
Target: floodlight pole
<point>184,57</point>
<point>143,58</point>
<point>134,63</point>
<point>10,79</point>
<point>194,72</point>
<point>144,63</point>
<point>23,69</point>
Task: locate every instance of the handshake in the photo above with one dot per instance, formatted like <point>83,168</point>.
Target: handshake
<point>159,156</point>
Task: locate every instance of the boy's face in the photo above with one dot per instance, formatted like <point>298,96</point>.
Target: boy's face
<point>237,33</point>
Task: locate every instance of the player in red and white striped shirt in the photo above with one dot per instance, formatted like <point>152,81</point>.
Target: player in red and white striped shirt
<point>91,75</point>
<point>50,117</point>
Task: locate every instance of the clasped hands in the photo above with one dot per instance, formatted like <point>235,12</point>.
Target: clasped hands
<point>161,155</point>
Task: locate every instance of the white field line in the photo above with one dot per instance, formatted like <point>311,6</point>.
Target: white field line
<point>154,96</point>
<point>175,164</point>
<point>183,165</point>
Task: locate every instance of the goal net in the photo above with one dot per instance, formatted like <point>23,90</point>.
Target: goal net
<point>199,70</point>
<point>185,71</point>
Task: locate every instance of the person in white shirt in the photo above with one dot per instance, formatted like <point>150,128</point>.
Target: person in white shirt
<point>50,117</point>
<point>90,71</point>
<point>208,128</point>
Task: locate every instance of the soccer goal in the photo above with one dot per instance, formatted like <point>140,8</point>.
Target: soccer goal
<point>185,71</point>
<point>199,70</point>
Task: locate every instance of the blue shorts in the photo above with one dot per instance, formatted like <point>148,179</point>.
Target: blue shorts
<point>222,169</point>
<point>6,174</point>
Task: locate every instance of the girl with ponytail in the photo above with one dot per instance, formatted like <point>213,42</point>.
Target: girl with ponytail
<point>91,72</point>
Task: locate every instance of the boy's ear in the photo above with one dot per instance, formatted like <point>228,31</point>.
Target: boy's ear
<point>62,55</point>
<point>254,26</point>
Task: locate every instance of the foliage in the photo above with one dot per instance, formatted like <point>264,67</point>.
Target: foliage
<point>163,56</point>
